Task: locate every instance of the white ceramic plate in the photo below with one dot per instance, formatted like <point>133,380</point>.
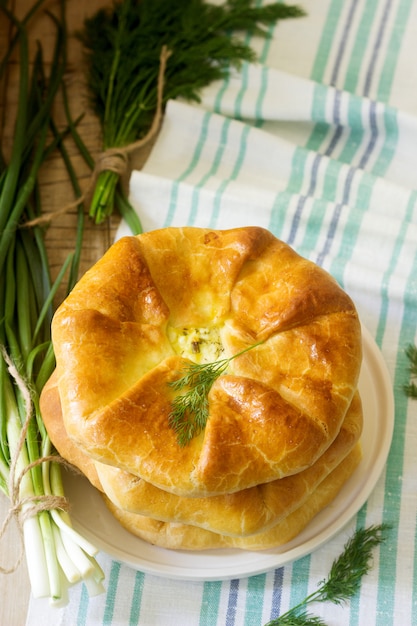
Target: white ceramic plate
<point>91,517</point>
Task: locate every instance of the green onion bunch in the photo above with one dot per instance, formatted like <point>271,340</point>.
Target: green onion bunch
<point>30,470</point>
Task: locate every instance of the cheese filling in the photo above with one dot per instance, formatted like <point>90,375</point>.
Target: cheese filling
<point>201,345</point>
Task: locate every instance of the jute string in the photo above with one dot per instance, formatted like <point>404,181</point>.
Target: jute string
<point>116,159</point>
<point>22,509</point>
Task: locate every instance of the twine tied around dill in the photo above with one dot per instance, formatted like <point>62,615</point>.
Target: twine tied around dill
<point>22,509</point>
<point>116,159</point>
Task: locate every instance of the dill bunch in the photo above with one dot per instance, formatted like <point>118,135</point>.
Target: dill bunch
<point>411,389</point>
<point>123,45</point>
<point>343,580</point>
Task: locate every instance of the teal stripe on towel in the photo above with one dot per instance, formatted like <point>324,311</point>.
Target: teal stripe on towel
<point>211,172</point>
<point>112,587</point>
<point>366,22</point>
<point>255,600</point>
<point>236,169</point>
<point>394,472</point>
<point>393,50</point>
<point>210,603</point>
<point>137,598</point>
<point>83,607</point>
<point>327,40</point>
<point>192,164</point>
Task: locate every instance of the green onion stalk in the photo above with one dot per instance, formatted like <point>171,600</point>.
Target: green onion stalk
<point>30,470</point>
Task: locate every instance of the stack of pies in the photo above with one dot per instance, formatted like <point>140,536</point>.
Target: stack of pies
<point>284,420</point>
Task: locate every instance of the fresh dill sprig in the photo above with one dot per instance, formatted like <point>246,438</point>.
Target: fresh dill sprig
<point>190,410</point>
<point>411,388</point>
<point>343,580</point>
<point>123,44</point>
<point>303,618</point>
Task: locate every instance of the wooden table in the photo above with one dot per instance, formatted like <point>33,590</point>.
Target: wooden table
<point>56,192</point>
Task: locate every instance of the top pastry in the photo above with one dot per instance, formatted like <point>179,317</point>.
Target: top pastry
<point>163,299</point>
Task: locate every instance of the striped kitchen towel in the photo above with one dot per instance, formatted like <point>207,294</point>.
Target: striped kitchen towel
<point>318,143</point>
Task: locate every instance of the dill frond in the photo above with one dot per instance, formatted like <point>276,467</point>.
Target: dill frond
<point>301,619</point>
<point>190,410</point>
<point>344,578</point>
<point>348,569</point>
<point>411,388</point>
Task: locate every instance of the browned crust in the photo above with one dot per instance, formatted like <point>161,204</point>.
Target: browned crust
<point>175,536</point>
<point>282,403</point>
<point>241,513</point>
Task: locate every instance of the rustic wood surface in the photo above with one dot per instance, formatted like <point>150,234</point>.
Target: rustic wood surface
<point>57,192</point>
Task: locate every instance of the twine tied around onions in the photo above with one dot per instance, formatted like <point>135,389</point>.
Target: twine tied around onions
<point>115,159</point>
